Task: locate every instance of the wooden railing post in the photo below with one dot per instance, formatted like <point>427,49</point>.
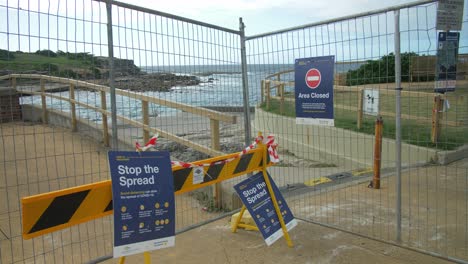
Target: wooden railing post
<point>436,118</point>
<point>72,107</point>
<point>145,112</point>
<point>105,128</point>
<point>13,83</point>
<point>262,91</point>
<point>45,118</point>
<point>281,90</point>
<point>360,108</point>
<point>214,124</point>
<point>278,86</point>
<point>267,90</point>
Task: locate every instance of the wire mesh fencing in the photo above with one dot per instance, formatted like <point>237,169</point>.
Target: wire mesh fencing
<point>326,172</point>
<point>39,151</point>
<point>184,80</point>
<point>172,76</point>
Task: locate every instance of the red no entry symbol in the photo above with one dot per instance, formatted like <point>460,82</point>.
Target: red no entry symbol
<point>313,78</point>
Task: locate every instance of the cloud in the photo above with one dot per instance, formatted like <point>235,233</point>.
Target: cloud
<point>288,12</point>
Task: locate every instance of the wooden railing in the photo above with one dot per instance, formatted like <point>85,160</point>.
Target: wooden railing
<point>274,81</point>
<point>214,116</point>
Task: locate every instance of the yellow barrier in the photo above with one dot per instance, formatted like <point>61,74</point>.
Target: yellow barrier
<point>49,212</point>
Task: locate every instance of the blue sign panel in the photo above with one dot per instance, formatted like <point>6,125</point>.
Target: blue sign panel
<point>447,54</point>
<point>143,200</point>
<point>254,194</point>
<point>314,90</point>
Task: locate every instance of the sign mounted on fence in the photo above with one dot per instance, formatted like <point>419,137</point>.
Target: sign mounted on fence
<point>450,15</point>
<point>314,90</point>
<point>371,102</point>
<point>447,55</point>
<point>254,194</point>
<point>143,201</point>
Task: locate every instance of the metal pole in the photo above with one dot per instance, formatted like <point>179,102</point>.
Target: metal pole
<point>398,124</point>
<point>110,45</point>
<point>245,84</point>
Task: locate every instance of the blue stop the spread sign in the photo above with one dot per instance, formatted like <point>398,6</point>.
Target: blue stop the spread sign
<point>256,198</point>
<point>143,200</point>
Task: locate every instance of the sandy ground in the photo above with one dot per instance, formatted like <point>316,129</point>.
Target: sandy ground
<point>37,159</point>
<point>214,243</point>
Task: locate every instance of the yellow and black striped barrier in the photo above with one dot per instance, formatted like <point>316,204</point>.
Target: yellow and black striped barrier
<point>49,212</point>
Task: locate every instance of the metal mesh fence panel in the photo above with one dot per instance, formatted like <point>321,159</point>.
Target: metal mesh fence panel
<point>183,79</point>
<point>194,69</point>
<point>326,171</point>
<point>173,76</point>
<point>39,150</point>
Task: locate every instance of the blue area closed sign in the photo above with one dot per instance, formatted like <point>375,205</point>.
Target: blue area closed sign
<point>143,200</point>
<point>254,194</point>
<point>313,78</point>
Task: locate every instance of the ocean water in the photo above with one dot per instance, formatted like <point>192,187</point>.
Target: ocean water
<point>221,86</point>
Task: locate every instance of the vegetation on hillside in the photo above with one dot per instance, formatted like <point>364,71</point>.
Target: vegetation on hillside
<point>80,65</point>
<point>383,71</point>
<point>86,66</point>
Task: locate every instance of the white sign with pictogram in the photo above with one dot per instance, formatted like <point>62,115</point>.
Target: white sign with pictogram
<point>371,102</point>
<point>313,78</point>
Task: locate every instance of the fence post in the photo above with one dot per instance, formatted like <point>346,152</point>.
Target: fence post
<point>245,84</point>
<point>398,124</point>
<point>436,118</point>
<point>45,118</point>
<point>110,46</point>
<point>105,128</point>
<point>359,110</point>
<point>72,107</point>
<point>145,112</point>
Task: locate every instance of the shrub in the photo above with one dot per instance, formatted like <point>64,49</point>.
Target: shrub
<point>6,55</point>
<point>47,53</point>
<point>380,71</point>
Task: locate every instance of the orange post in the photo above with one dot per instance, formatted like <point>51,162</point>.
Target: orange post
<point>377,153</point>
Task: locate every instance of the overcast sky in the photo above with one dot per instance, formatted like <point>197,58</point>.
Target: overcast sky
<point>80,26</point>
<point>265,15</point>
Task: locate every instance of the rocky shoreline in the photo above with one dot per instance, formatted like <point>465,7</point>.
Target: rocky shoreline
<point>158,82</point>
<point>94,69</point>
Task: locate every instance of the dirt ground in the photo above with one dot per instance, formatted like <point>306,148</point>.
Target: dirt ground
<point>37,159</point>
<point>214,243</point>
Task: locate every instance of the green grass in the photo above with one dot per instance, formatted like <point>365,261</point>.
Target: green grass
<point>412,132</point>
<point>420,106</point>
<point>62,65</point>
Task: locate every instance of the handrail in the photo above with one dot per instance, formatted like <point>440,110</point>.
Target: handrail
<point>214,116</point>
<point>273,81</point>
<point>231,119</point>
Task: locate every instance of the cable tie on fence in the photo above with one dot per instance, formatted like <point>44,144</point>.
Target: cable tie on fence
<point>4,234</point>
<point>269,141</point>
